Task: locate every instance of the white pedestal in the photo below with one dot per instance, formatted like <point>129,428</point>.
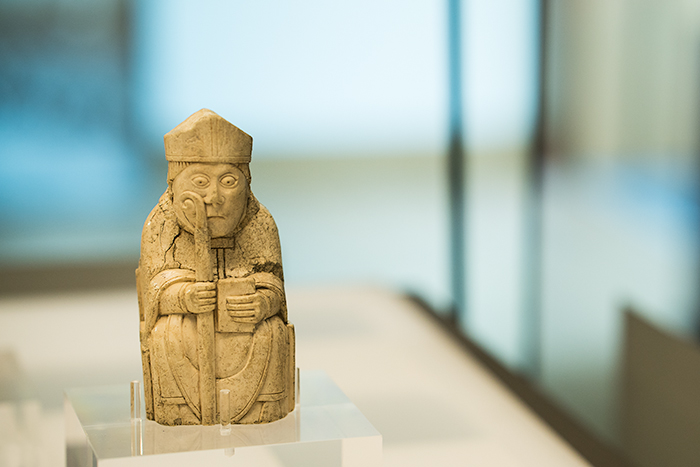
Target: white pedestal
<point>325,429</point>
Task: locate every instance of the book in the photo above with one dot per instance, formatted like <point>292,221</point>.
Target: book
<point>232,286</point>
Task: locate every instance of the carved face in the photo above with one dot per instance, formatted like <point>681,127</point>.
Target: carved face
<point>222,187</point>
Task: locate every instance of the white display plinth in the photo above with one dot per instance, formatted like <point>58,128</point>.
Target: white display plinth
<point>325,429</point>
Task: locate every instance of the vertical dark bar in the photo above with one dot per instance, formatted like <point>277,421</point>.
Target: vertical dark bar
<point>455,163</point>
<point>533,231</point>
<point>696,200</point>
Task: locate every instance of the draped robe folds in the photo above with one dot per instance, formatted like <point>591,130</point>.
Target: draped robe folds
<point>257,367</point>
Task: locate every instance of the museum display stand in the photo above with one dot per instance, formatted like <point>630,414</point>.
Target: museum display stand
<point>104,428</point>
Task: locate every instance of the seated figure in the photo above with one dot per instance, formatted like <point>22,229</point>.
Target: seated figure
<point>212,305</point>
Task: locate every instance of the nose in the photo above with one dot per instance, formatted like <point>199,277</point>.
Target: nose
<point>213,195</point>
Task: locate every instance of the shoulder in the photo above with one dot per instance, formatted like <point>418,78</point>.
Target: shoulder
<point>259,236</point>
<point>156,218</point>
<point>265,219</point>
<point>260,221</point>
<point>160,227</point>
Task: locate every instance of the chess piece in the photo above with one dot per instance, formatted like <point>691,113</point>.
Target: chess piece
<point>213,312</point>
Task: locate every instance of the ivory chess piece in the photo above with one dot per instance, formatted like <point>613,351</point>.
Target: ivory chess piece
<point>213,312</point>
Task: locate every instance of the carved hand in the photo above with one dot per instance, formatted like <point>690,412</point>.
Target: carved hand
<point>200,297</point>
<point>251,308</point>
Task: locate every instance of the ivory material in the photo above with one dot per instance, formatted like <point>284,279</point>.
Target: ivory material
<point>213,312</point>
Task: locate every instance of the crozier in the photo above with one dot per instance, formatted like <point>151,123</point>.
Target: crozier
<point>213,313</point>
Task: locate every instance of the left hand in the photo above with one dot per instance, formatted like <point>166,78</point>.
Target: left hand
<point>251,308</point>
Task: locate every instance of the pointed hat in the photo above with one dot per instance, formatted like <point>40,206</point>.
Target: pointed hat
<point>206,137</point>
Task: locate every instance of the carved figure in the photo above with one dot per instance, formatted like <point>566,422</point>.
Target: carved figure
<point>212,305</point>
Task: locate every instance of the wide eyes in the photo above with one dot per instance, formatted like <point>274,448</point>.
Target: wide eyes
<point>200,181</point>
<point>228,181</point>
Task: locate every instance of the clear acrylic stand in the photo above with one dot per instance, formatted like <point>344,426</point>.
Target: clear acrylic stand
<point>104,429</point>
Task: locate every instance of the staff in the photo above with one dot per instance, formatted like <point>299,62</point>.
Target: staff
<point>203,272</point>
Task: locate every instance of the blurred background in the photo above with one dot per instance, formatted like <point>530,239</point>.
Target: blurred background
<point>527,169</point>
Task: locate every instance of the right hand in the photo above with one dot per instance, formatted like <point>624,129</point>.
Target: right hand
<point>200,297</point>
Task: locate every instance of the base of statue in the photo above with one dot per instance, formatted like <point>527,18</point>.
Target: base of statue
<point>325,429</point>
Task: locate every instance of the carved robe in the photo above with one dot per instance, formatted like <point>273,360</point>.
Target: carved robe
<point>256,365</point>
